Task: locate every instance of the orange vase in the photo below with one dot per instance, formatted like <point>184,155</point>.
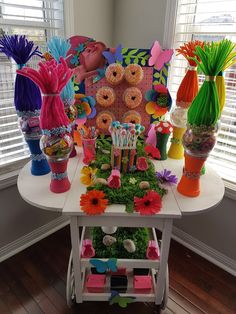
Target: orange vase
<point>189,185</point>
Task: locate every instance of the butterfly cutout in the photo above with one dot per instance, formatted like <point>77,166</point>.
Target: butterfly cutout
<point>158,56</point>
<point>115,298</point>
<point>102,266</point>
<point>113,57</point>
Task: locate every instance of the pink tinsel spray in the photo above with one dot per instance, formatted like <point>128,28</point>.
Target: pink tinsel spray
<point>51,77</point>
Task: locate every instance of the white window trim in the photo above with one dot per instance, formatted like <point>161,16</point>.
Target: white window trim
<point>8,179</point>
<point>168,41</point>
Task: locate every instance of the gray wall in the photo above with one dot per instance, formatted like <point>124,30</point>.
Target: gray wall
<point>17,218</point>
<point>138,23</point>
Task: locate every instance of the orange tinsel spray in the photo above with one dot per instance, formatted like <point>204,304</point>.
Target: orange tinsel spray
<point>187,91</point>
<point>188,88</point>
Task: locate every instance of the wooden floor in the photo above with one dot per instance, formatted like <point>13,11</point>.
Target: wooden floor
<point>34,281</point>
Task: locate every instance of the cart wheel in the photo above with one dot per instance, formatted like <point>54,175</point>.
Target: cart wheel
<point>70,284</point>
<point>166,290</point>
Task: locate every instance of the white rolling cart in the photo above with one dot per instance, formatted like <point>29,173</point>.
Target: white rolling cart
<point>35,190</point>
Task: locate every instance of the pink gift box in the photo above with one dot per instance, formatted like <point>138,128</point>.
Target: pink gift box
<point>142,284</point>
<point>96,283</point>
<point>153,251</point>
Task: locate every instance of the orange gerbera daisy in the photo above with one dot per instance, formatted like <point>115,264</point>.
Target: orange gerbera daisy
<point>93,202</point>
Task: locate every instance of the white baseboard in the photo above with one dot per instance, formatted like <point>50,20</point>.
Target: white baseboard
<point>205,251</point>
<point>32,237</point>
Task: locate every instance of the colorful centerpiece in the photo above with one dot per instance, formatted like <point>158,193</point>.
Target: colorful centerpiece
<point>124,141</point>
<point>199,139</point>
<point>27,98</point>
<point>57,142</point>
<point>187,91</point>
<point>59,47</point>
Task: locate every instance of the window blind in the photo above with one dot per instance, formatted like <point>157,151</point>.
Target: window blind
<point>39,20</point>
<point>210,20</point>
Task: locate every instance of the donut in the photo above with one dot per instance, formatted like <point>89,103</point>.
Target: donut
<point>132,116</point>
<point>105,96</point>
<point>133,74</point>
<point>104,119</point>
<point>114,73</point>
<point>132,97</point>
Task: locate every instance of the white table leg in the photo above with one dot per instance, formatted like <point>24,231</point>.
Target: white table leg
<point>165,246</point>
<point>76,254</point>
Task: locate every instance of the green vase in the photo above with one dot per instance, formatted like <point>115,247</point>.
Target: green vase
<point>162,140</point>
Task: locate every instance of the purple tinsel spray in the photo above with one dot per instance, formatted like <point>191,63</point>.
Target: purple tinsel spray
<point>27,95</point>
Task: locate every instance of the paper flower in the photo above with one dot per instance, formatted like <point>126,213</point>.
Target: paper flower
<point>159,101</point>
<point>165,176</point>
<point>142,164</point>
<point>93,202</point>
<point>150,204</point>
<point>85,106</point>
<point>152,151</point>
<point>132,180</point>
<point>88,175</point>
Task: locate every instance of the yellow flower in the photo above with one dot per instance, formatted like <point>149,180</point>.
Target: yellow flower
<point>88,175</point>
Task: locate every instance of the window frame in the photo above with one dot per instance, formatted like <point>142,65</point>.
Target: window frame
<point>9,173</point>
<point>168,42</point>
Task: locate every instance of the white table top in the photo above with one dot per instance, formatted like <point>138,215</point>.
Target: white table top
<point>35,191</point>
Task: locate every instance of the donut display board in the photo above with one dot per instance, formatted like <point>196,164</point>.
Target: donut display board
<point>126,102</point>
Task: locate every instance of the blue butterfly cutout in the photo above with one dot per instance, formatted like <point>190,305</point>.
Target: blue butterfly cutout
<point>113,57</point>
<point>102,266</point>
<point>121,301</point>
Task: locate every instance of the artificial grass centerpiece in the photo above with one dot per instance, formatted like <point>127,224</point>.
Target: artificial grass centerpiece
<point>125,194</point>
<point>139,236</point>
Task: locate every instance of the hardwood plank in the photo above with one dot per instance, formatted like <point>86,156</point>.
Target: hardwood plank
<point>202,284</point>
<point>176,308</point>
<point>183,302</point>
<point>18,289</point>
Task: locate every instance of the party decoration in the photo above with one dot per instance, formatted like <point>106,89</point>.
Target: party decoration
<point>27,98</point>
<point>152,151</point>
<point>165,176</point>
<point>124,140</point>
<point>93,202</point>
<point>150,204</point>
<point>121,301</point>
<point>113,57</point>
<point>85,107</point>
<point>158,56</point>
<point>88,175</point>
<point>87,249</point>
<point>114,74</point>
<point>153,251</point>
<point>199,139</point>
<point>56,142</point>
<point>59,47</point>
<point>114,179</point>
<point>102,266</point>
<point>187,91</point>
<point>163,130</point>
<point>89,136</point>
<point>159,101</point>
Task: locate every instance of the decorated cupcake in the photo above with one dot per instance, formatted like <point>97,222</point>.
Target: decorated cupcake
<point>132,97</point>
<point>133,74</point>
<point>105,96</point>
<point>114,73</point>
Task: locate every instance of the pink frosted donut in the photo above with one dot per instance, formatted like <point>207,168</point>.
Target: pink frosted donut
<point>114,73</point>
<point>133,74</point>
<point>105,96</point>
<point>104,119</point>
<point>132,97</point>
<point>132,116</point>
